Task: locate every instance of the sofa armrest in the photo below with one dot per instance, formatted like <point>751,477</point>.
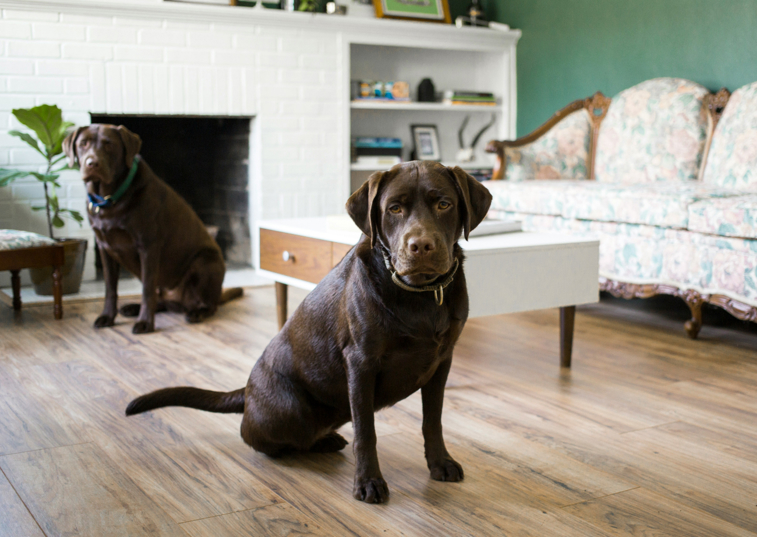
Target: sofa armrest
<point>596,107</point>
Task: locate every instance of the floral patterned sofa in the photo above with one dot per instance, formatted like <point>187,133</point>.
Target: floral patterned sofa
<point>664,173</point>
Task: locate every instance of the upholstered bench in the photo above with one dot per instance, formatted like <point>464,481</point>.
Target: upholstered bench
<point>22,249</point>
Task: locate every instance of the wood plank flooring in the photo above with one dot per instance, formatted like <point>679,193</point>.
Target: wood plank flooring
<point>649,434</point>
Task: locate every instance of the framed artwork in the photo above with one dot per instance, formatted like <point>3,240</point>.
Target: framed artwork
<point>419,10</point>
<point>426,140</point>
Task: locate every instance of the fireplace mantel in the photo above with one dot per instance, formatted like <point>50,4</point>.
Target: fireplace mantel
<point>357,29</point>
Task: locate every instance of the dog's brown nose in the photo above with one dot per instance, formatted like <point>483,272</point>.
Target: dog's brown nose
<point>420,245</point>
<point>90,162</point>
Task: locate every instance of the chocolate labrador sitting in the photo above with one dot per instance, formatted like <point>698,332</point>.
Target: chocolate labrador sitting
<point>143,224</point>
<point>381,325</point>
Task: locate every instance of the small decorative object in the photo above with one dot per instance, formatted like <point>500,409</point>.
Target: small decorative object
<point>466,154</point>
<point>310,6</point>
<point>376,90</point>
<point>401,91</point>
<point>426,91</point>
<point>426,139</point>
<point>47,123</point>
<point>365,88</point>
<point>474,17</point>
<point>419,10</point>
<point>332,8</point>
<point>288,5</point>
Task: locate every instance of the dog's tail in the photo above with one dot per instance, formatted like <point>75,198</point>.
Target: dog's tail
<point>231,294</point>
<point>220,402</point>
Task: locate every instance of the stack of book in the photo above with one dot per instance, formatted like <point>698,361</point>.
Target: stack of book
<point>469,97</point>
<point>379,152</point>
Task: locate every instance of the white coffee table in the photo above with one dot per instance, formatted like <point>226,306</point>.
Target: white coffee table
<point>505,273</point>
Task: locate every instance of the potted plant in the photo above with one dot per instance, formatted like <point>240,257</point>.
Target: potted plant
<point>47,123</point>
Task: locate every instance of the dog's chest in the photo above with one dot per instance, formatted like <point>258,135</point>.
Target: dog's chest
<point>118,243</point>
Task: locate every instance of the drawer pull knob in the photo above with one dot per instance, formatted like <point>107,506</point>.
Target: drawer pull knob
<point>286,256</point>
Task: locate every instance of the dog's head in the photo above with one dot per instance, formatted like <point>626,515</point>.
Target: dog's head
<point>418,211</point>
<point>103,152</point>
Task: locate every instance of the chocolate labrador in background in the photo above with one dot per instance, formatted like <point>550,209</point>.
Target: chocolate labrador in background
<point>381,325</point>
<point>142,224</point>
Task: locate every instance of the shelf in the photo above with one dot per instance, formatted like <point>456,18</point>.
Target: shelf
<point>464,165</point>
<point>436,107</point>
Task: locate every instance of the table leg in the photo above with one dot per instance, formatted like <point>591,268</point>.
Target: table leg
<point>281,303</point>
<point>57,294</point>
<point>567,320</point>
<point>16,284</point>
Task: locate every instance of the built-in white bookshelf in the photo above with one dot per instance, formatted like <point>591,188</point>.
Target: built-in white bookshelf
<point>480,60</point>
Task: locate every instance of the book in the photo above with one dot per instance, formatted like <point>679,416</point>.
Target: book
<point>386,161</point>
<point>377,142</point>
<point>474,103</point>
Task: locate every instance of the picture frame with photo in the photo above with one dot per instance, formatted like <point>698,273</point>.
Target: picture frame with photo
<point>426,142</point>
<point>418,10</point>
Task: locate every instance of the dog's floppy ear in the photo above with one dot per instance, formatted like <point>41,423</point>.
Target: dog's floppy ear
<point>362,206</point>
<point>475,199</point>
<point>69,147</point>
<point>132,143</point>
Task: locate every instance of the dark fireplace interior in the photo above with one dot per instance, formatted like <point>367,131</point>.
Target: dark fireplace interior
<point>206,160</point>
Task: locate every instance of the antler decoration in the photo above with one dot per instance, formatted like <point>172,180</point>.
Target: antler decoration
<point>460,132</point>
<point>482,131</point>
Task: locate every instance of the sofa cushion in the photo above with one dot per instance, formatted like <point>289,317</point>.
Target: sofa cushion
<point>536,197</point>
<point>732,159</point>
<point>728,217</point>
<point>11,239</point>
<point>654,131</point>
<point>656,204</point>
<point>561,153</point>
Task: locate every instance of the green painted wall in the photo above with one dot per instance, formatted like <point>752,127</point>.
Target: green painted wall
<point>572,48</point>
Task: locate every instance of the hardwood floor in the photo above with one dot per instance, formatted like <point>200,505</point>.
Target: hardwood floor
<point>649,434</point>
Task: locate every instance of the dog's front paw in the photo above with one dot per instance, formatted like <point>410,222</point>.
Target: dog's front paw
<point>446,470</point>
<point>370,489</point>
<point>104,321</point>
<point>143,327</point>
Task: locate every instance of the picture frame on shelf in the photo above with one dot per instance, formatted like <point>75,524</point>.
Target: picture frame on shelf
<point>417,10</point>
<point>426,142</point>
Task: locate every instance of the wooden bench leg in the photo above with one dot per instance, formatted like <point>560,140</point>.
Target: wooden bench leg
<point>57,294</point>
<point>16,284</point>
<point>281,303</point>
<point>567,320</point>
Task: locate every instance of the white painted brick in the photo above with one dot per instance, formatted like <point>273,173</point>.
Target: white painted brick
<point>267,76</point>
<point>131,89</point>
<point>281,124</point>
<point>140,23</point>
<point>269,59</point>
<point>87,51</point>
<point>138,54</point>
<point>299,76</point>
<point>114,87</point>
<point>32,49</point>
<point>233,57</point>
<point>221,90</point>
<point>15,30</point>
<point>278,31</point>
<point>29,15</point>
<point>299,44</point>
<point>298,169</point>
<point>70,103</point>
<point>23,156</point>
<point>171,38</point>
<point>279,92</point>
<point>192,90</point>
<point>319,61</point>
<point>320,154</point>
<point>236,90</point>
<point>161,89</point>
<point>111,34</point>
<point>58,32</point>
<point>99,91</point>
<point>76,85</point>
<point>172,25</point>
<point>35,85</point>
<point>3,85</point>
<point>146,89</point>
<point>176,89</point>
<point>250,96</point>
<point>185,55</point>
<point>205,88</point>
<point>255,42</point>
<point>322,94</point>
<point>9,102</point>
<point>298,139</point>
<point>209,40</point>
<point>80,118</point>
<point>86,19</point>
<point>16,67</point>
<point>300,108</point>
<point>321,124</point>
<point>330,46</point>
<point>61,68</point>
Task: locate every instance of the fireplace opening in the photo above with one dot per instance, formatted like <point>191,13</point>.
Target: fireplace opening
<point>206,160</point>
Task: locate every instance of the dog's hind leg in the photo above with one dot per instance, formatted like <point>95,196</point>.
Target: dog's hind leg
<point>333,441</point>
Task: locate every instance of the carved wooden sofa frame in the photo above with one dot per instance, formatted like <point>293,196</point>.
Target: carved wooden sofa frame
<point>597,106</point>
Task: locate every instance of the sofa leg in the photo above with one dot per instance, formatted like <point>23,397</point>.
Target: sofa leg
<point>694,301</point>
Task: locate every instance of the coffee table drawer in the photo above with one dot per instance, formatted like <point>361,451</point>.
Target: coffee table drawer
<point>295,256</point>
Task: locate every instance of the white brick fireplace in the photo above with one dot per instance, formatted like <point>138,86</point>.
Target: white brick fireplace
<point>289,71</point>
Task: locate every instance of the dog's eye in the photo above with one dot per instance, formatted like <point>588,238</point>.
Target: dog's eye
<point>395,209</point>
<point>444,205</point>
